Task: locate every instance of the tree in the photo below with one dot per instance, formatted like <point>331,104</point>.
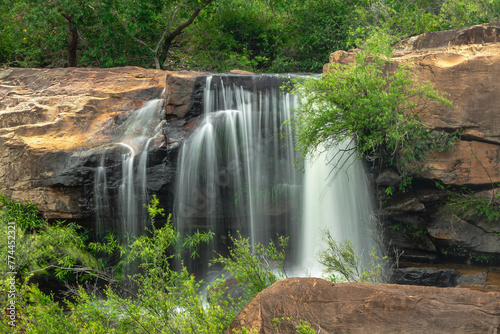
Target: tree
<point>156,24</point>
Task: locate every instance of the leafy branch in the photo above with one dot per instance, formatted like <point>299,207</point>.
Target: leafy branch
<point>375,101</point>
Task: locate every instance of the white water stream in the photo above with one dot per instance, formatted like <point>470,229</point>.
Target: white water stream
<point>135,135</point>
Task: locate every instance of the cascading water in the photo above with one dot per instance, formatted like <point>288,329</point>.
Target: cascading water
<point>133,140</point>
<point>236,172</point>
<point>338,198</point>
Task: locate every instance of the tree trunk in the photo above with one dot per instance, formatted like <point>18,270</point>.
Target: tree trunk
<point>73,40</point>
<point>171,36</point>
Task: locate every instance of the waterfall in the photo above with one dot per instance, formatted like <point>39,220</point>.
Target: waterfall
<point>236,173</point>
<point>339,200</point>
<point>132,142</point>
<point>101,196</point>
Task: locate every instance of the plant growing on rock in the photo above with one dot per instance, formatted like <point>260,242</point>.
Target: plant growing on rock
<point>375,102</point>
<point>341,264</point>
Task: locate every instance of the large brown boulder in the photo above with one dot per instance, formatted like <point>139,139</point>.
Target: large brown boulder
<point>369,308</point>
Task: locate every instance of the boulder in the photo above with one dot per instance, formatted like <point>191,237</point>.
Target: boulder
<point>368,308</point>
<point>425,277</point>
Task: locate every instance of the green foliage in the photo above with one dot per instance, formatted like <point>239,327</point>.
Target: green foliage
<point>311,30</point>
<point>342,264</point>
<point>286,324</point>
<point>58,249</point>
<point>23,213</point>
<point>454,249</point>
<point>257,267</point>
<point>466,204</point>
<point>459,13</point>
<point>259,35</point>
<point>152,298</point>
<point>235,34</point>
<point>403,18</point>
<point>377,103</point>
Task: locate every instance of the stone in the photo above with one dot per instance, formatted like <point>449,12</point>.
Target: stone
<point>241,72</point>
<point>468,163</point>
<point>53,123</point>
<point>403,206</point>
<point>388,178</point>
<point>369,308</point>
<point>472,278</point>
<point>451,228</point>
<point>182,89</point>
<point>425,277</point>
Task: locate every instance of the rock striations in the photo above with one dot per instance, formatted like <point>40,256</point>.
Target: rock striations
<point>368,308</point>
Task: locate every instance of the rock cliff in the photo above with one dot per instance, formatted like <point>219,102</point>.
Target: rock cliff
<point>55,122</point>
<point>456,220</point>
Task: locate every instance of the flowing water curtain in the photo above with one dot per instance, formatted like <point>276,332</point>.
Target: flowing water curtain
<point>234,166</point>
<point>337,197</point>
<point>236,172</point>
<point>132,142</point>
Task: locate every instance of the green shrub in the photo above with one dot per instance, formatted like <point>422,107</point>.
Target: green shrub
<point>341,264</point>
<point>255,267</point>
<point>374,102</point>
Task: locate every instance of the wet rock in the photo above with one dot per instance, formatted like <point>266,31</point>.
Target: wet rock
<point>472,278</point>
<point>425,277</point>
<point>53,123</point>
<point>184,91</point>
<point>403,206</point>
<point>388,178</point>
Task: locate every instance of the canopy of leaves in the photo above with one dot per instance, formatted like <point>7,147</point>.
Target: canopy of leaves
<point>259,35</point>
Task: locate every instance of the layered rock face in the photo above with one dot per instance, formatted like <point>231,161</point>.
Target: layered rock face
<point>368,308</point>
<point>428,223</point>
<point>54,123</point>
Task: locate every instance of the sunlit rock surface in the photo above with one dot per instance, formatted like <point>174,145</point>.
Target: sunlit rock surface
<point>52,124</point>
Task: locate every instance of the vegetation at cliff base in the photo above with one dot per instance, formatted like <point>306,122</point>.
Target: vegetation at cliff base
<point>143,289</point>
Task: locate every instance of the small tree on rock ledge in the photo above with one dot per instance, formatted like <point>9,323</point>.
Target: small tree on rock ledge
<point>373,102</point>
